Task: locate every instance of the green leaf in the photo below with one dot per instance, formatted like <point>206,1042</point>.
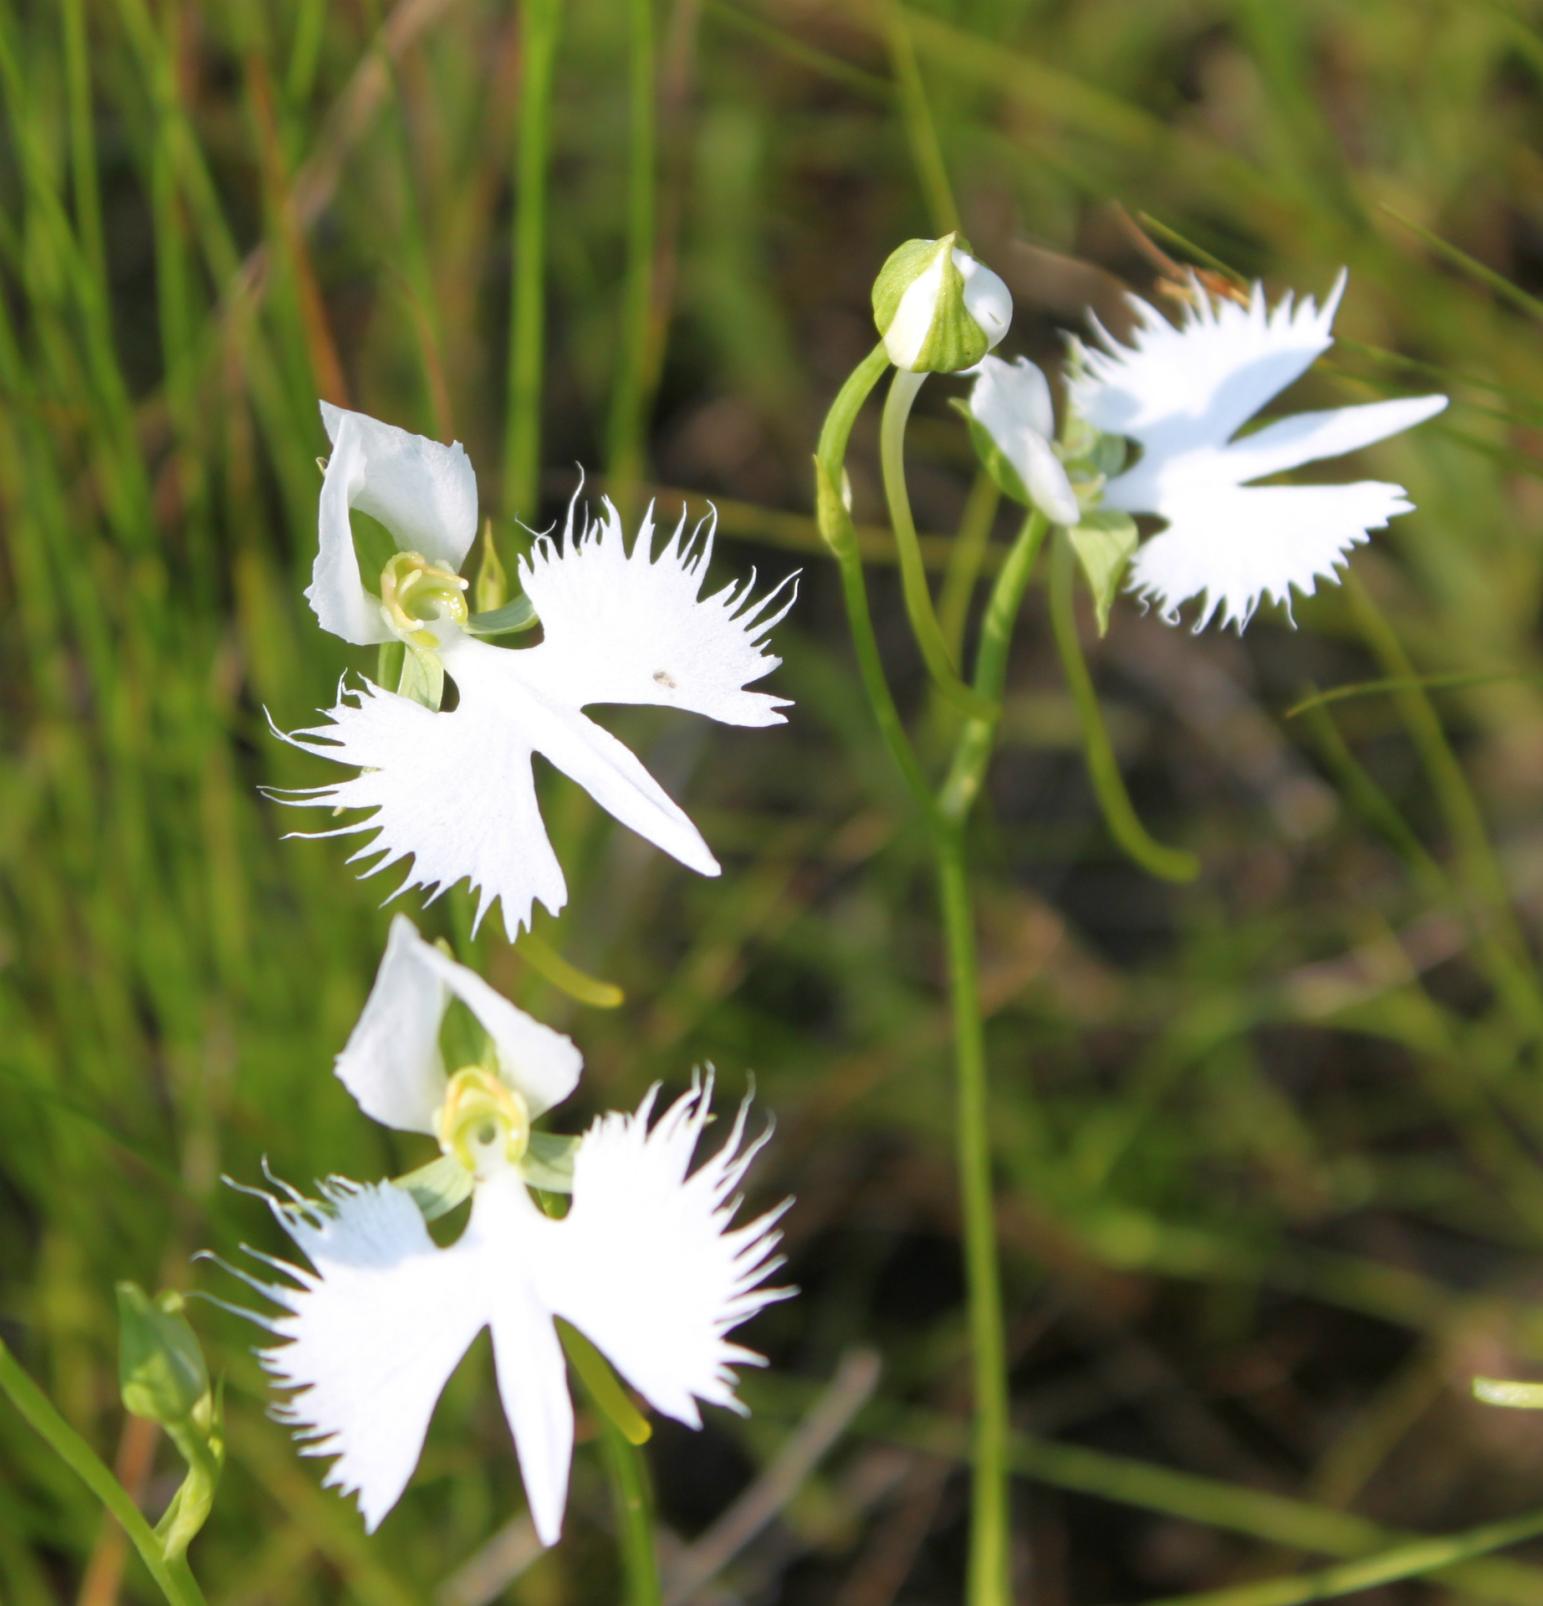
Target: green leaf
<point>504,621</point>
<point>161,1370</point>
<point>1103,543</point>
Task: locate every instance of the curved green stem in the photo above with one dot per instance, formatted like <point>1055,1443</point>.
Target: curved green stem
<point>175,1581</point>
<point>836,528</point>
<point>539,21</point>
<point>1170,864</point>
<point>967,773</point>
<point>903,390</point>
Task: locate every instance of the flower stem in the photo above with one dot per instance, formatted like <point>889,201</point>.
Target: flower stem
<point>522,427</point>
<point>928,632</point>
<point>835,524</point>
<point>1170,864</point>
<point>175,1580</point>
<point>634,1515</point>
<point>978,738</point>
<point>987,1583</point>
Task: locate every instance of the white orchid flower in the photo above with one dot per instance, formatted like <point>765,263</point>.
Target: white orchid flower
<point>1182,392</point>
<point>454,792</point>
<point>1011,402</point>
<point>647,1264</point>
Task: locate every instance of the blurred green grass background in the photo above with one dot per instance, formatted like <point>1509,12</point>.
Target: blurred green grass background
<point>1268,1143</point>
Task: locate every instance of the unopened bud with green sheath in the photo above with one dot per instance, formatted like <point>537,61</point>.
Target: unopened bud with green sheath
<point>937,308</point>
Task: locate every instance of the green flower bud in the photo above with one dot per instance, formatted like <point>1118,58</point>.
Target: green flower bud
<point>161,1369</point>
<point>937,308</point>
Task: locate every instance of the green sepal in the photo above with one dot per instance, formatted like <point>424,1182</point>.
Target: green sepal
<point>503,621</point>
<point>161,1370</point>
<point>998,469</point>
<point>954,340</point>
<point>605,1391</point>
<point>422,678</point>
<point>548,1162</point>
<point>1103,543</point>
<point>490,590</point>
<point>438,1187</point>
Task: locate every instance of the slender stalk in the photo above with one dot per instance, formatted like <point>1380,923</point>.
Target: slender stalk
<point>522,426</point>
<point>913,573</point>
<point>1169,864</point>
<point>835,524</point>
<point>634,1515</point>
<point>945,818</point>
<point>175,1582</point>
<point>629,398</point>
<point>987,1582</point>
<point>978,738</point>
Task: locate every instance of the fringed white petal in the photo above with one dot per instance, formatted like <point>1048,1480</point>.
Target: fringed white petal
<point>651,1268</point>
<point>424,493</point>
<point>627,624</point>
<point>1233,546</point>
<point>455,793</point>
<point>371,1333</point>
<point>451,793</point>
<point>1011,402</point>
<point>1179,387</point>
<point>392,1063</point>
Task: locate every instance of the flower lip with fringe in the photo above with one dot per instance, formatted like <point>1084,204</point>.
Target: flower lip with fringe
<point>1182,392</point>
<point>647,1264</point>
<point>454,792</point>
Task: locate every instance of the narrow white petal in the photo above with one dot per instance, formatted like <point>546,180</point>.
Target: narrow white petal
<point>1009,396</point>
<point>986,297</point>
<point>1177,388</point>
<point>1011,402</point>
<point>424,493</point>
<point>629,625</point>
<point>1306,437</point>
<point>513,1241</point>
<point>453,793</point>
<point>391,1062</point>
<point>336,592</point>
<point>648,1263</point>
<point>1234,546</point>
<point>372,1332</point>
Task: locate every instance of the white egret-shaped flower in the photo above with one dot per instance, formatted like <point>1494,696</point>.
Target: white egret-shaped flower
<point>454,792</point>
<point>647,1264</point>
<point>1182,392</point>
